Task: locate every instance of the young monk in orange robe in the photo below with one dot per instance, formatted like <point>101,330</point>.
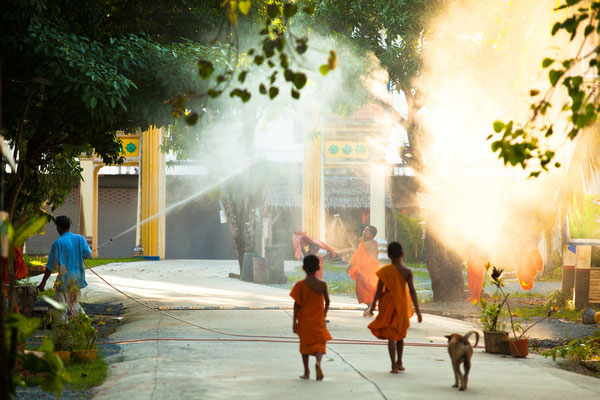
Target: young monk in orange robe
<point>476,260</point>
<point>311,302</point>
<point>363,267</point>
<point>395,290</point>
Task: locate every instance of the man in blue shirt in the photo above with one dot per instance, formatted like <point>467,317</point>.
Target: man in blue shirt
<point>66,257</point>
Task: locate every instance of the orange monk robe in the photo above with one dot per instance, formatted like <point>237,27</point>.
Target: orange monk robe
<point>301,239</point>
<point>395,306</point>
<point>475,273</point>
<point>20,268</point>
<point>363,270</point>
<point>311,319</point>
<point>529,267</point>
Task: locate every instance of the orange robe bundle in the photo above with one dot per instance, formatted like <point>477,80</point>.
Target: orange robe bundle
<point>363,270</point>
<point>311,319</point>
<point>475,273</point>
<point>529,267</point>
<point>20,268</point>
<point>395,306</point>
<point>301,239</point>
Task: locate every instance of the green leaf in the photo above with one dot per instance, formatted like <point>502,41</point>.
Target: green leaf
<point>262,89</point>
<point>272,11</point>
<point>288,74</point>
<point>273,92</point>
<point>54,303</point>
<point>547,62</point>
<point>205,69</point>
<point>93,102</point>
<point>299,80</point>
<point>498,126</point>
<point>588,29</point>
<point>295,94</point>
<point>242,76</point>
<point>28,229</point>
<point>191,118</point>
<point>554,75</point>
<point>556,27</point>
<point>244,6</point>
<point>310,10</point>
<point>289,10</point>
<point>324,69</point>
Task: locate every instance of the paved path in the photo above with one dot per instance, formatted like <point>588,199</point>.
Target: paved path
<point>269,370</point>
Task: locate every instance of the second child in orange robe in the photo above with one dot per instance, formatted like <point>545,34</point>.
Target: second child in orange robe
<point>395,290</point>
<point>311,302</point>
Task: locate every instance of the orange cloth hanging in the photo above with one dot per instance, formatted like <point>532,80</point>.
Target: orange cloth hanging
<point>529,267</point>
<point>475,274</point>
<point>363,270</point>
<point>300,239</point>
<point>19,265</point>
<point>395,306</point>
<point>312,330</point>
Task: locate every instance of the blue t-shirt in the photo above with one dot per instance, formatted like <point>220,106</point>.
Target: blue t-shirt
<point>69,250</point>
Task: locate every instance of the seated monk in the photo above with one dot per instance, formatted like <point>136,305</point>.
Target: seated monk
<point>363,266</point>
<point>528,268</point>
<point>395,290</point>
<point>311,302</point>
<point>301,239</point>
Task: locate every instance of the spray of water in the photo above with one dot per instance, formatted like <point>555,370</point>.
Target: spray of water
<point>481,60</point>
<point>214,185</point>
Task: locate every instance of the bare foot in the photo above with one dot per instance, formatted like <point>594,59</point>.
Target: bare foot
<point>319,372</point>
<point>394,371</point>
<point>400,367</point>
<point>305,376</point>
<point>366,313</point>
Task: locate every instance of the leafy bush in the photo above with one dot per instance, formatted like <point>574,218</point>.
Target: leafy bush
<point>579,350</point>
<point>410,234</point>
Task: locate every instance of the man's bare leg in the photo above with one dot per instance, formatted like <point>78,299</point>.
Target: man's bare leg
<point>366,313</point>
<point>318,366</point>
<point>306,370</point>
<point>400,348</point>
<point>392,351</point>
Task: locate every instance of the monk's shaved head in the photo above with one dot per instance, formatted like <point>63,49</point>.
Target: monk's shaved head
<point>395,250</point>
<point>310,264</point>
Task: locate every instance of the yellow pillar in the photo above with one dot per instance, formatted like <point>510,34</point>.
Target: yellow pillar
<point>312,205</point>
<point>152,166</point>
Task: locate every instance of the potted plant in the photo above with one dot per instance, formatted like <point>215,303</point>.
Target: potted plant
<point>84,336</point>
<point>494,335</point>
<point>62,342</point>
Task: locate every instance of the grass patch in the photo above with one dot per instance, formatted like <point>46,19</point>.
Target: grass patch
<point>421,273</point>
<point>341,287</point>
<point>554,275</point>
<point>86,376</point>
<point>330,267</point>
<point>528,295</point>
<point>95,262</point>
<point>416,265</point>
<point>540,311</point>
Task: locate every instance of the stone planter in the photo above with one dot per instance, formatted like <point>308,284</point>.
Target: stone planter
<point>86,356</point>
<point>519,347</point>
<point>64,355</point>
<point>496,342</point>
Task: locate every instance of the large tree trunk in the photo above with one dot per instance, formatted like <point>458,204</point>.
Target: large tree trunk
<point>445,269</point>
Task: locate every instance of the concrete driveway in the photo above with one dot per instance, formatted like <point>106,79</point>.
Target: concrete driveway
<point>198,364</point>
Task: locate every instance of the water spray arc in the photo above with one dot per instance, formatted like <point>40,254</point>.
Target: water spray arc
<point>173,206</point>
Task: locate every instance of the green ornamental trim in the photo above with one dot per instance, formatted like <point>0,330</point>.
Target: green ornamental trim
<point>333,149</point>
<point>347,149</point>
<point>360,149</point>
<point>130,147</point>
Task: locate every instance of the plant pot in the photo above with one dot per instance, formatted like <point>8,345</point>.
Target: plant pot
<point>64,355</point>
<point>496,342</point>
<point>519,347</point>
<point>86,356</point>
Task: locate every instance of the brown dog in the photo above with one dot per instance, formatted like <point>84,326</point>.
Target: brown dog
<point>460,352</point>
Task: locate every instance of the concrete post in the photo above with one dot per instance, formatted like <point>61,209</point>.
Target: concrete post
<point>377,204</point>
<point>86,199</point>
<point>568,270</point>
<point>581,292</point>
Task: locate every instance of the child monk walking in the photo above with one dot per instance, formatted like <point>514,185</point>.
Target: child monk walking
<point>310,308</point>
<point>395,290</point>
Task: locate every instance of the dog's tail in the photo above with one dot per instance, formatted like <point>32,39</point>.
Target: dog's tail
<point>468,334</point>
